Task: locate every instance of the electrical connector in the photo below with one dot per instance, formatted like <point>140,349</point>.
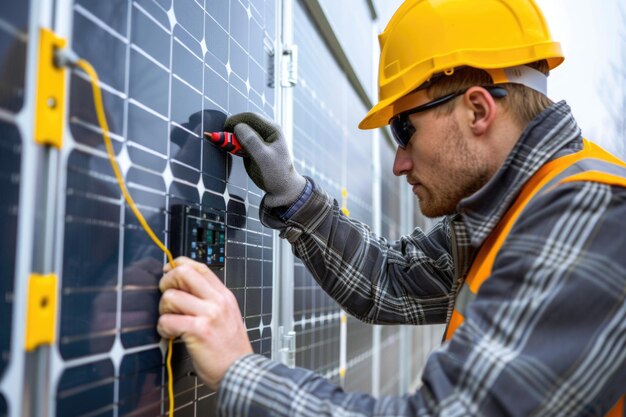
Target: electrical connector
<point>65,57</point>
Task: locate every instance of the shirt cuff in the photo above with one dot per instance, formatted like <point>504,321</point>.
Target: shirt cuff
<point>304,196</point>
<point>306,217</point>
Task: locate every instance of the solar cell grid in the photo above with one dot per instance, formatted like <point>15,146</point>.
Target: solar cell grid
<point>421,342</point>
<point>391,229</point>
<point>14,39</point>
<point>320,135</point>
<point>351,23</point>
<point>359,353</point>
<point>87,390</point>
<point>390,197</point>
<point>319,109</point>
<point>10,161</point>
<point>164,64</point>
<point>317,323</point>
<point>359,175</point>
<point>390,361</point>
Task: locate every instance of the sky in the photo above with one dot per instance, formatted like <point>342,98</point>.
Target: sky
<point>593,38</point>
<point>595,50</point>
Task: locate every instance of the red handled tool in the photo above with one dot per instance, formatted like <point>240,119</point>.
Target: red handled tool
<point>226,141</point>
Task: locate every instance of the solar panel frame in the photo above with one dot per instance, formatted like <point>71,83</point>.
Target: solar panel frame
<point>20,186</point>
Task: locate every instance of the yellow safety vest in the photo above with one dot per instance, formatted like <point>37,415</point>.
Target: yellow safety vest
<point>482,265</point>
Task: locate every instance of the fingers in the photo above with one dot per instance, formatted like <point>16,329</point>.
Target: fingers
<point>190,290</point>
<point>199,267</point>
<point>187,278</point>
<point>183,260</point>
<point>250,140</point>
<point>267,129</point>
<point>200,310</point>
<point>180,302</point>
<point>193,277</point>
<point>173,326</point>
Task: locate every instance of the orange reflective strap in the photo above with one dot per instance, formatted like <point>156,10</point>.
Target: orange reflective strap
<point>483,264</point>
<point>594,151</point>
<point>597,176</point>
<point>481,267</point>
<point>619,409</point>
<point>455,321</point>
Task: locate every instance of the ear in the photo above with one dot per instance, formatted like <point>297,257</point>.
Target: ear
<point>481,110</point>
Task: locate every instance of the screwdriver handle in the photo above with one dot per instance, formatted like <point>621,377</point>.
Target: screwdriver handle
<point>226,141</point>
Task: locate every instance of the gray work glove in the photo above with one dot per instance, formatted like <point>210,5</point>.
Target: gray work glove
<point>267,162</point>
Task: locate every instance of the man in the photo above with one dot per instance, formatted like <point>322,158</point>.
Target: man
<point>527,267</point>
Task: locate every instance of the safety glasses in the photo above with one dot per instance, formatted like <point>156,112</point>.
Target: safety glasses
<point>401,127</point>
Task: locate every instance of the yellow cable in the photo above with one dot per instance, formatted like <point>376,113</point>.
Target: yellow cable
<point>170,376</point>
<point>99,105</point>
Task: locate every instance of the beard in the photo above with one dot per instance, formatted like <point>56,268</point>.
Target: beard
<point>457,173</point>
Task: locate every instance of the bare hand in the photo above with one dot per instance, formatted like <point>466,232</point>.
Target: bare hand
<point>198,308</point>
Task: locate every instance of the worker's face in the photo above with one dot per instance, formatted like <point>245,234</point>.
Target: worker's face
<point>440,163</point>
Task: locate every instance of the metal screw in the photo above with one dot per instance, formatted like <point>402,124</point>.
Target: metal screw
<point>52,102</point>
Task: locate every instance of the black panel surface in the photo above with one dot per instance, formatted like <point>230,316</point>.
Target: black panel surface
<point>13,39</point>
<point>140,382</point>
<point>4,409</point>
<point>10,162</point>
<point>90,263</point>
<point>86,390</point>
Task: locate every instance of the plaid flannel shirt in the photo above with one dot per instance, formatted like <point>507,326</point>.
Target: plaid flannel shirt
<point>563,265</point>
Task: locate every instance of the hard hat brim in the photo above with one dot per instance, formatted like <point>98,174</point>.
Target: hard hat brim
<point>384,110</point>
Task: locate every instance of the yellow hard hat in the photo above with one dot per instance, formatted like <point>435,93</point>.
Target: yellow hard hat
<point>427,37</point>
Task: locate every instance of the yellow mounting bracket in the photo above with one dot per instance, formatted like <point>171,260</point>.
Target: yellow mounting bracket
<point>50,93</point>
<point>41,311</point>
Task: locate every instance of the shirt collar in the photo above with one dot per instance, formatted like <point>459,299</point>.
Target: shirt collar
<point>552,132</point>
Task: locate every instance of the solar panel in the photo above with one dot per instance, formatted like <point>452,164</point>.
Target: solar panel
<point>10,144</point>
<point>316,322</point>
<point>87,390</point>
<point>390,360</point>
<point>390,198</point>
<point>163,65</point>
<point>390,348</point>
<point>352,24</point>
<point>3,406</point>
<point>13,47</point>
<point>13,40</point>
<point>360,349</point>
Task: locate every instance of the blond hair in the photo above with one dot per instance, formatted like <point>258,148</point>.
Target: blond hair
<point>523,102</point>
